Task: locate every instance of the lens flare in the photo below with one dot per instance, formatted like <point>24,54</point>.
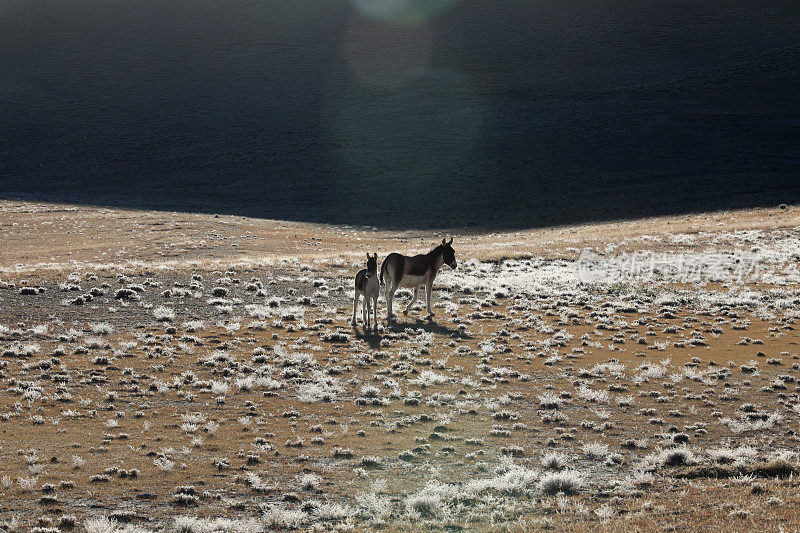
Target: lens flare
<point>386,56</point>
<point>402,12</point>
<point>409,146</point>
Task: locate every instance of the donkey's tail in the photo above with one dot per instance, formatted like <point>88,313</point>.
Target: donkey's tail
<point>383,269</point>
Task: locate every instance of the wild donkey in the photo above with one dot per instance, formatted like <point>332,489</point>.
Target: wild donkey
<point>367,286</point>
<point>405,271</point>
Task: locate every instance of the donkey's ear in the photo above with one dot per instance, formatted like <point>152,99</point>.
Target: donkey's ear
<point>451,241</point>
<point>367,255</point>
<point>376,256</point>
<point>443,241</point>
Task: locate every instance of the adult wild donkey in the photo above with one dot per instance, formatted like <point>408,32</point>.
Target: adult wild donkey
<point>405,271</point>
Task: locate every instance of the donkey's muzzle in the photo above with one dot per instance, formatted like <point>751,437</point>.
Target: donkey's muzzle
<point>452,265</point>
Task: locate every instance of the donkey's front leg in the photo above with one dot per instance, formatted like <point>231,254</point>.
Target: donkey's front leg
<point>428,289</point>
<point>355,306</point>
<point>413,300</point>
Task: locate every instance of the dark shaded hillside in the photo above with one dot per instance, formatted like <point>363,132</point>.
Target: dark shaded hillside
<point>495,114</point>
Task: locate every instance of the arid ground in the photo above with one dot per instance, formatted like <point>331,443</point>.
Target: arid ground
<point>200,373</point>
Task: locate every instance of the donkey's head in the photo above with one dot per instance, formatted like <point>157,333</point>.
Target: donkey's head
<point>372,265</point>
<point>448,254</point>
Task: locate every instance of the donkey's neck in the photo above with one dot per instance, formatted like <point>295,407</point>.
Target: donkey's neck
<point>437,258</point>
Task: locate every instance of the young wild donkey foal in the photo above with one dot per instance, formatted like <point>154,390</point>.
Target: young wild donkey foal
<point>368,287</point>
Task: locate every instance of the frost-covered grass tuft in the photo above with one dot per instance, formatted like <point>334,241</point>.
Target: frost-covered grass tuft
<point>567,481</point>
<point>429,377</point>
<point>193,524</point>
<point>748,424</point>
<point>100,524</point>
<point>163,313</point>
<point>164,464</point>
<point>101,328</point>
<point>309,482</point>
<point>333,512</point>
<point>373,503</point>
<point>554,461</point>
<point>275,517</point>
<point>322,389</point>
<point>193,326</point>
<point>595,450</point>
<point>742,454</point>
<point>549,400</point>
<point>219,387</point>
<point>511,479</point>
<point>679,456</point>
<point>592,395</point>
<point>430,502</point>
<point>650,371</point>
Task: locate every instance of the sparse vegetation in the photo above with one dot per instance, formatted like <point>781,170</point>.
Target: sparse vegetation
<point>530,402</point>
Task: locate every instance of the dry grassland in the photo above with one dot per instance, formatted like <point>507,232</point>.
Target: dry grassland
<point>170,371</point>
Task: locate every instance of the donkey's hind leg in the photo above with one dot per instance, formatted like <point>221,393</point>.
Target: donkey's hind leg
<point>389,297</point>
